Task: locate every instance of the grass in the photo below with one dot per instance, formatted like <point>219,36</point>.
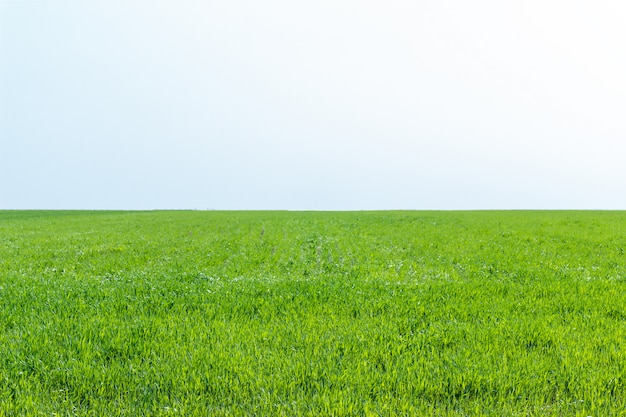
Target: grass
<point>277,313</point>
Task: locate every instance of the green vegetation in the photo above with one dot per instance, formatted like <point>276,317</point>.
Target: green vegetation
<point>297,313</point>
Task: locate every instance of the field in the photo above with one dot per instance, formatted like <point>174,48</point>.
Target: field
<point>215,313</point>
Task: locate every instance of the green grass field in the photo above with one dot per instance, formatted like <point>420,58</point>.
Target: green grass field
<point>296,313</point>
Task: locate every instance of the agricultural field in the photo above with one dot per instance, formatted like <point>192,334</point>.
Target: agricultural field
<point>209,313</point>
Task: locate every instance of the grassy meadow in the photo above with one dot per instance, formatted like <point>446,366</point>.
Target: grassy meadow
<point>209,313</point>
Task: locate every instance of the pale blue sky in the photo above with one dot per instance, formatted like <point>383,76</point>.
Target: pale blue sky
<point>331,104</point>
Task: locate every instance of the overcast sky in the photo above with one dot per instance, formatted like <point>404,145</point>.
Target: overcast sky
<point>322,105</point>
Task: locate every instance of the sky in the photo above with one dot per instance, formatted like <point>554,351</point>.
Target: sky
<point>322,105</point>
